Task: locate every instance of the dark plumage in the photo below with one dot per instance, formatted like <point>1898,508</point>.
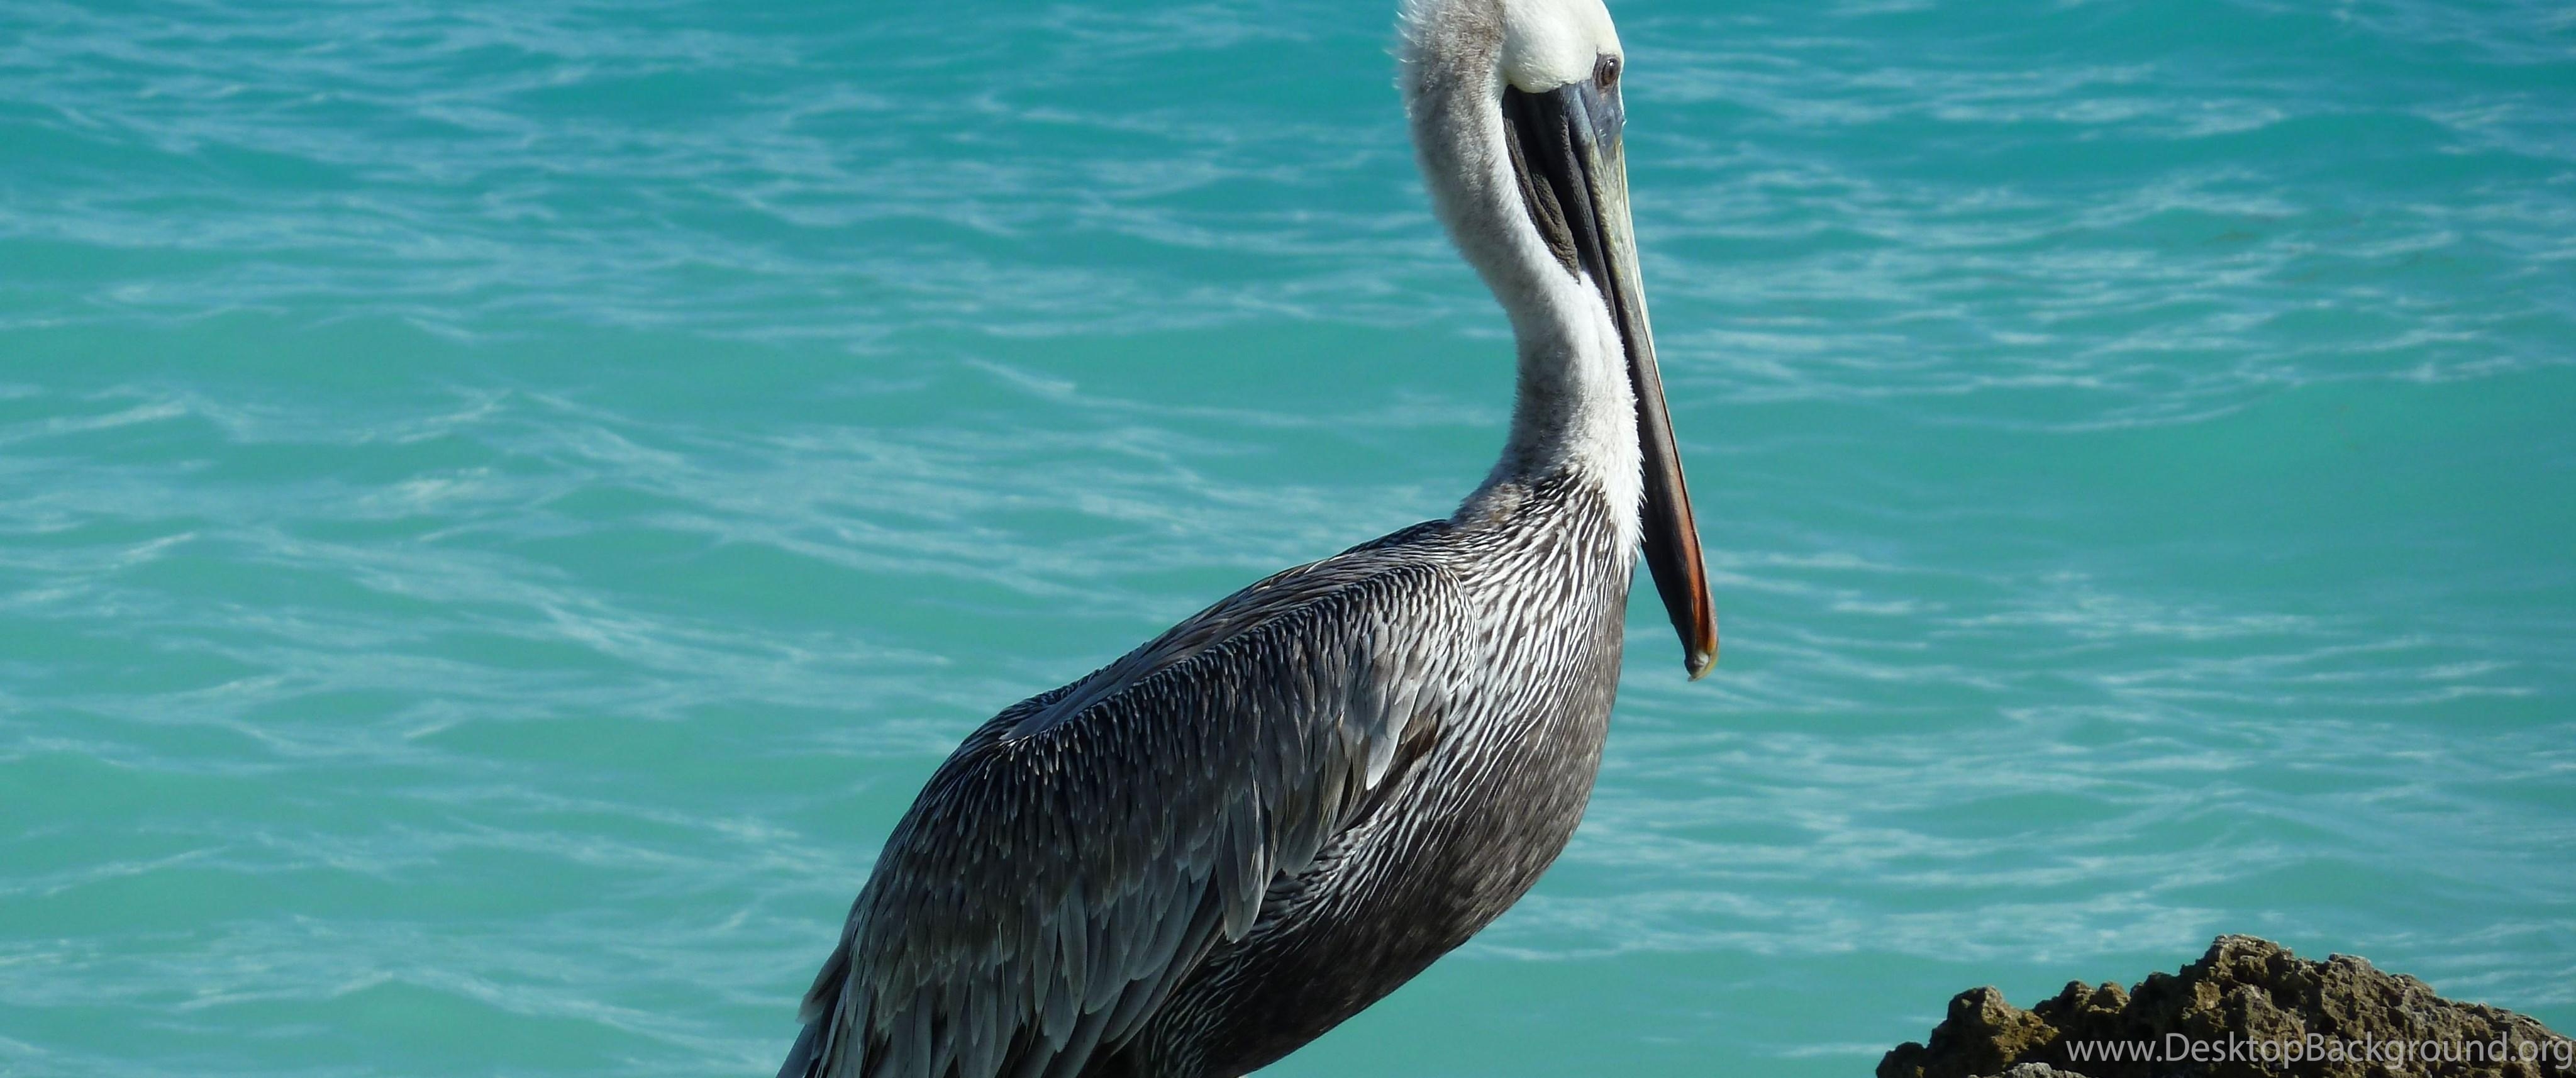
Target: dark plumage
<point>1354,765</point>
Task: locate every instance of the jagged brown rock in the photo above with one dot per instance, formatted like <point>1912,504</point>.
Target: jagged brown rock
<point>2248,1009</point>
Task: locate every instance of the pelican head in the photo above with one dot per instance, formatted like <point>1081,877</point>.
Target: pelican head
<point>1517,117</point>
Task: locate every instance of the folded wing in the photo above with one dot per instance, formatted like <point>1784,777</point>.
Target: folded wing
<point>1083,851</point>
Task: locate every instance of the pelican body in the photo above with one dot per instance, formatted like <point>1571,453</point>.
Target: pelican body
<point>1207,853</point>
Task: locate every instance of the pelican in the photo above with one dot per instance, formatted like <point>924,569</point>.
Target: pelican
<point>1207,853</point>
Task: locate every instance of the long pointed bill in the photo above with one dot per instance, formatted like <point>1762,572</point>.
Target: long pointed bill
<point>1565,147</point>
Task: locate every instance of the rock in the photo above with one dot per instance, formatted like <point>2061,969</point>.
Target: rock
<point>2248,1009</point>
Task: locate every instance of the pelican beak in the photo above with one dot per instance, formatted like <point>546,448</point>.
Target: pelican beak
<point>1565,147</point>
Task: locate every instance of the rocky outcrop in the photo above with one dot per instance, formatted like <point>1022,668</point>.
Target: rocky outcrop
<point>2248,1009</point>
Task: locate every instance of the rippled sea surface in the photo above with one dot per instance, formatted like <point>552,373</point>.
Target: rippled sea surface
<point>502,504</point>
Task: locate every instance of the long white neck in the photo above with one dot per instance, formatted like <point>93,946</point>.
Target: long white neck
<point>1574,409</point>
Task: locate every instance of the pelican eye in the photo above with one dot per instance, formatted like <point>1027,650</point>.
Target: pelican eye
<point>1605,73</point>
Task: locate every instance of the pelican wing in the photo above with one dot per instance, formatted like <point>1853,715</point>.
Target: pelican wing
<point>1085,849</point>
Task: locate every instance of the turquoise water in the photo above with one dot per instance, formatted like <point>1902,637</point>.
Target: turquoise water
<point>504,503</point>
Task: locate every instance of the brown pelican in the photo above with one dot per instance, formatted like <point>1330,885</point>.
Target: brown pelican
<point>1207,853</point>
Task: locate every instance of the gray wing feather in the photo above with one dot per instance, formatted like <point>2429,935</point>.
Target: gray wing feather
<point>1086,848</point>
